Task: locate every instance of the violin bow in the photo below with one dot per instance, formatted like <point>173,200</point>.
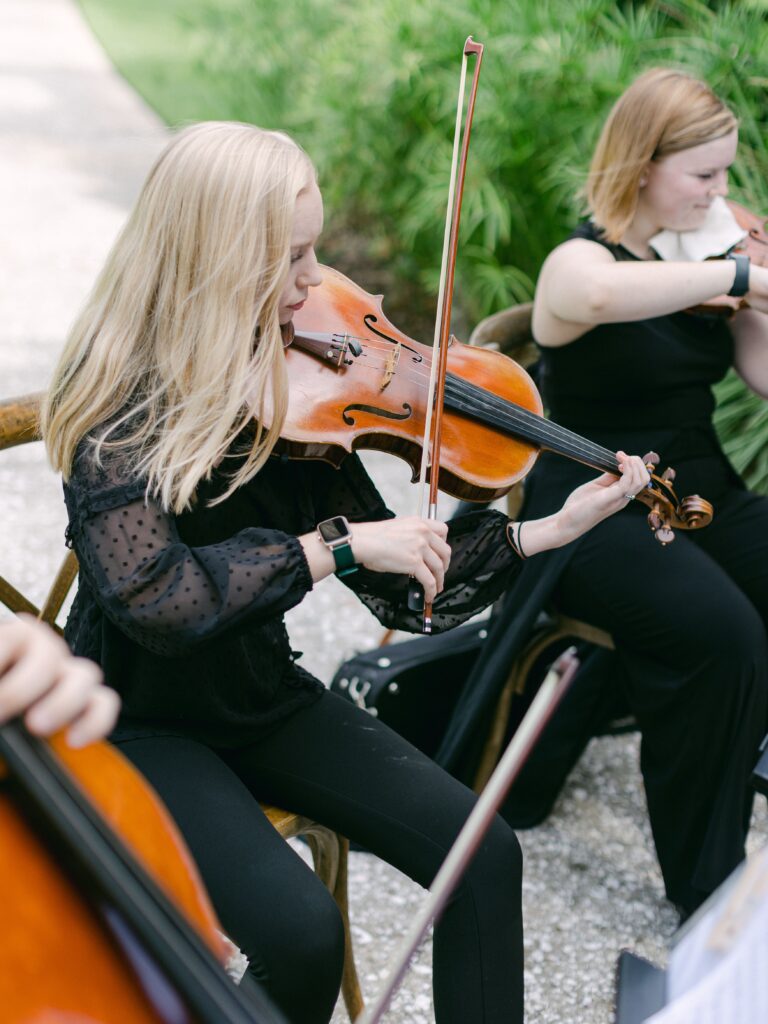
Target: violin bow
<point>430,450</point>
<point>543,706</point>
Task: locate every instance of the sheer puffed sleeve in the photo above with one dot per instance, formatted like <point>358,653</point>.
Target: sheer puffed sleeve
<point>164,594</point>
<point>483,563</point>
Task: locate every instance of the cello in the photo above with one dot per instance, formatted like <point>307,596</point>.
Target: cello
<point>112,924</point>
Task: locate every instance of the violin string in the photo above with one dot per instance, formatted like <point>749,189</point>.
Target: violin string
<point>519,422</point>
<point>506,415</point>
<point>537,432</point>
<point>537,427</point>
<point>516,419</point>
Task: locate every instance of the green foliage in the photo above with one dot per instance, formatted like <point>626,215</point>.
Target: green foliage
<point>369,88</point>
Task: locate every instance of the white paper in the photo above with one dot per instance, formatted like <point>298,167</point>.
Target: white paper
<point>726,985</point>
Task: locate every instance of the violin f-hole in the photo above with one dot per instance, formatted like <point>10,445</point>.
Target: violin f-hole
<point>375,411</point>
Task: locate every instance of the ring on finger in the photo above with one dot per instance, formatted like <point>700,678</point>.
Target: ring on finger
<point>630,497</point>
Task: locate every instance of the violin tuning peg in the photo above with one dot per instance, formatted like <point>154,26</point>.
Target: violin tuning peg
<point>664,535</point>
<point>651,461</point>
<point>668,476</point>
<point>655,521</point>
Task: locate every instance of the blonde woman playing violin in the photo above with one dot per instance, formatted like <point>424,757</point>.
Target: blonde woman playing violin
<point>194,539</point>
<point>622,357</point>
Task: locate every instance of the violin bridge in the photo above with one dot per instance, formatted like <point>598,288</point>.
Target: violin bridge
<point>391,365</point>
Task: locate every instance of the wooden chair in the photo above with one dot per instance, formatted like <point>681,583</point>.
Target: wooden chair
<point>19,425</point>
<point>509,331</point>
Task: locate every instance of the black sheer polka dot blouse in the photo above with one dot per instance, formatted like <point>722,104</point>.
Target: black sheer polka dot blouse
<point>185,612</point>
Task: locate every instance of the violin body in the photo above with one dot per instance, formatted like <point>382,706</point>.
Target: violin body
<point>754,245</point>
<point>356,381</point>
<point>378,399</point>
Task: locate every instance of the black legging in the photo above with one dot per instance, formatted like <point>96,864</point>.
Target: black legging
<point>337,765</point>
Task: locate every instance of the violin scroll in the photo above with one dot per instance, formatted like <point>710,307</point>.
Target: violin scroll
<point>667,510</point>
<point>696,511</point>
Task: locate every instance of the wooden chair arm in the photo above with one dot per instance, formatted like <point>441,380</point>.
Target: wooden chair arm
<point>20,420</point>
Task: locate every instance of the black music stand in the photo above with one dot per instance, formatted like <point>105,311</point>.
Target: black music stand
<point>641,989</point>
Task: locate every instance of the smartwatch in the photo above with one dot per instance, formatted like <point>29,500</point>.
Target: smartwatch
<point>740,284</point>
<point>336,536</point>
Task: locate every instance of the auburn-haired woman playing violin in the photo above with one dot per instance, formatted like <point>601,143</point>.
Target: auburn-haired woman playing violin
<point>622,358</point>
<point>194,538</point>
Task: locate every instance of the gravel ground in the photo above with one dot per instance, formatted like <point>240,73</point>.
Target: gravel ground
<point>76,143</point>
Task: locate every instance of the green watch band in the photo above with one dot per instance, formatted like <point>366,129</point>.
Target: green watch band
<point>336,536</point>
<point>344,559</point>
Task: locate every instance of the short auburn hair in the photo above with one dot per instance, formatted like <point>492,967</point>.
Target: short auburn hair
<point>664,111</point>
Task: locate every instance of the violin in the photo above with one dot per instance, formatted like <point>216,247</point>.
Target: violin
<point>357,381</point>
<point>111,924</point>
<point>754,245</point>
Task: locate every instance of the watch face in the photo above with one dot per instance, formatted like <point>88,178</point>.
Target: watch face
<point>333,529</point>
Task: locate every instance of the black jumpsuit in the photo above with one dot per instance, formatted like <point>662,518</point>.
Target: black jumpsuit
<point>689,620</point>
<point>185,614</point>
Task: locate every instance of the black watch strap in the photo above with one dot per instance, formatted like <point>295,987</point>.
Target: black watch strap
<point>740,284</point>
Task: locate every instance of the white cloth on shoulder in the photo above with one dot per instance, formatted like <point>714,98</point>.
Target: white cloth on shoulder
<point>716,236</point>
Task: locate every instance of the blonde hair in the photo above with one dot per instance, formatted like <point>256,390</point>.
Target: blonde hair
<point>662,112</point>
<point>164,358</point>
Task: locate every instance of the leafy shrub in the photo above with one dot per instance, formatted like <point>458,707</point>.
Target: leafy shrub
<point>369,89</point>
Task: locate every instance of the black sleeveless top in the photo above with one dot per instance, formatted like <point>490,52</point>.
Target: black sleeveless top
<point>638,386</point>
